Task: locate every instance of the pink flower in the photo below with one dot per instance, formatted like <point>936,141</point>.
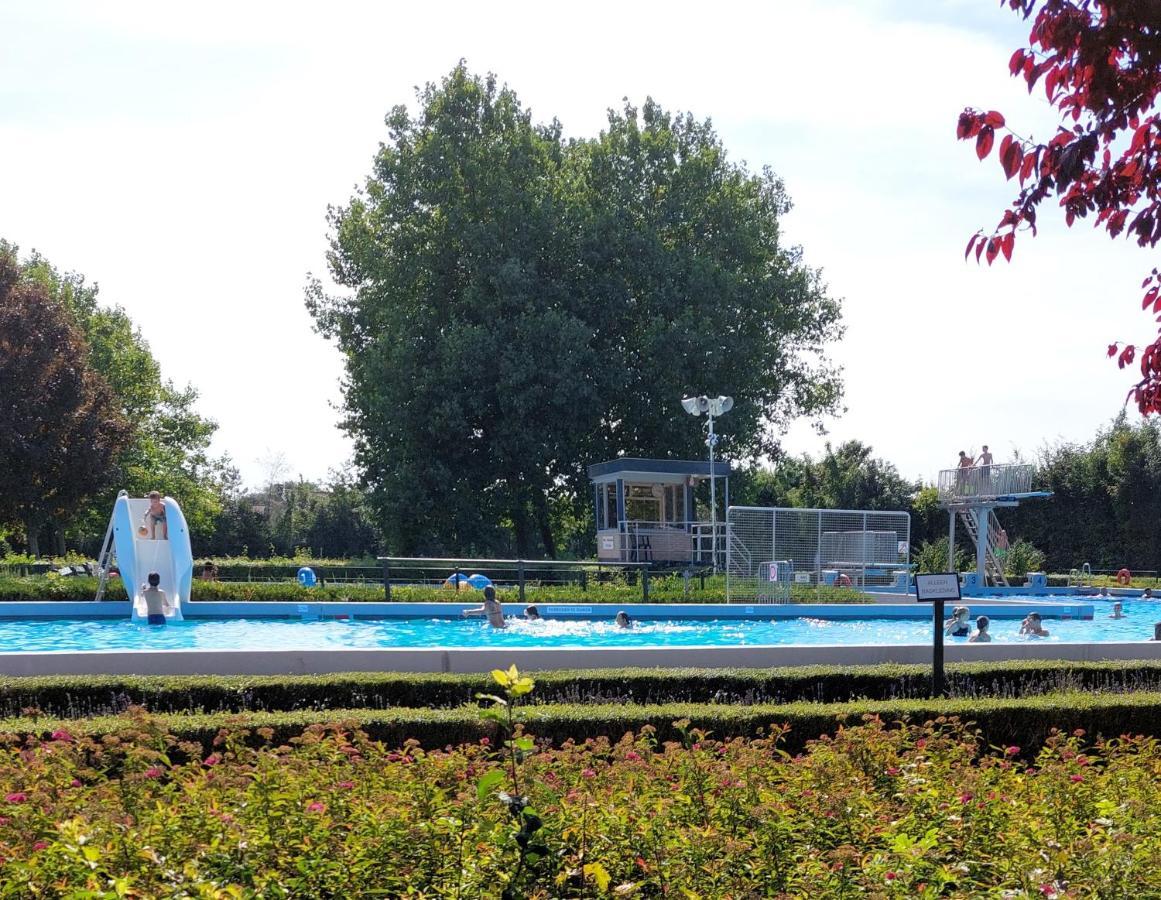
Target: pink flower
<point>316,807</point>
<point>1076,778</point>
<point>212,760</point>
<point>346,785</point>
<point>1048,890</point>
<point>588,773</point>
<point>61,735</point>
<point>40,845</point>
<point>76,782</point>
<point>153,772</point>
<point>921,743</point>
<point>1012,751</point>
<point>892,770</point>
<point>891,876</point>
<point>965,798</point>
<point>485,742</point>
<point>16,797</point>
<point>633,755</point>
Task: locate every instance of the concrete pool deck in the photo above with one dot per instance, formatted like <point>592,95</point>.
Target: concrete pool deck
<point>465,660</point>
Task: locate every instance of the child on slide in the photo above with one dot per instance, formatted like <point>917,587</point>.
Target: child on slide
<point>154,516</point>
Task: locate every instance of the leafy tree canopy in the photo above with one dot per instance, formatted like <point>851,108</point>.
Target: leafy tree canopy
<point>169,446</point>
<point>519,306</point>
<point>60,429</point>
<point>1099,62</point>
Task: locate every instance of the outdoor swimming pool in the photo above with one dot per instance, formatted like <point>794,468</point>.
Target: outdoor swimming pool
<point>73,635</point>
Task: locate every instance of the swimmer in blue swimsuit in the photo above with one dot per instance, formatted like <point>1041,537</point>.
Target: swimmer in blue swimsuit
<point>958,625</point>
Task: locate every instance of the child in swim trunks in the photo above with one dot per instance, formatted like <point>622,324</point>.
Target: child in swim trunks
<point>155,516</point>
<point>156,603</point>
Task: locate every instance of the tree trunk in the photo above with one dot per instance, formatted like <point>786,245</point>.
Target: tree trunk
<point>544,521</point>
<point>519,521</point>
<point>32,535</point>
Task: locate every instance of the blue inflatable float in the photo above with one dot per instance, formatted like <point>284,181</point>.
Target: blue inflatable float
<point>306,577</point>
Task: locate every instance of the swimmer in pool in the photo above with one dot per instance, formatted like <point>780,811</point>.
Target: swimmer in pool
<point>981,636</point>
<point>957,625</point>
<point>1117,612</point>
<point>1031,626</point>
<point>623,620</point>
<point>156,603</point>
<point>532,614</point>
<point>490,608</point>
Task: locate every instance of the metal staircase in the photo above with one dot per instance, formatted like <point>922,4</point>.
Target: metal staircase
<point>993,565</point>
<point>105,560</point>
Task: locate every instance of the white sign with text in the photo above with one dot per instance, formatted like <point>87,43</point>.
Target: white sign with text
<point>943,586</point>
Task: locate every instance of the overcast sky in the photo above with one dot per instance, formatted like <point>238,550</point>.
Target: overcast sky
<point>183,157</point>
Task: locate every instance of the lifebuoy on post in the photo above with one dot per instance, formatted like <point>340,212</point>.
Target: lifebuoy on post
<point>1124,577</point>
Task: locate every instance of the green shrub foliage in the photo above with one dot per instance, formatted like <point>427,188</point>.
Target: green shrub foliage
<point>922,810</point>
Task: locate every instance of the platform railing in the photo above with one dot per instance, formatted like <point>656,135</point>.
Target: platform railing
<point>984,482</point>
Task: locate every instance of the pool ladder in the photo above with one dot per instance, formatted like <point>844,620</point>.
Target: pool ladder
<point>1082,576</point>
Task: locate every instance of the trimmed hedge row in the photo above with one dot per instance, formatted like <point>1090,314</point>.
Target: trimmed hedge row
<point>82,696</point>
<point>667,590</point>
<point>1023,723</point>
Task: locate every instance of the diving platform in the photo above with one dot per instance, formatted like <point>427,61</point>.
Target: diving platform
<point>972,494</point>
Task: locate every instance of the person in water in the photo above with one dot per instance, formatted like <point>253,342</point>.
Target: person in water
<point>981,636</point>
<point>957,625</point>
<point>491,608</point>
<point>1118,611</point>
<point>532,614</point>
<point>1031,626</point>
<point>623,620</point>
<point>156,603</point>
<point>155,516</point>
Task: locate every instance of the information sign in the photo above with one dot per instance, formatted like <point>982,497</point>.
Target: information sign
<point>943,586</point>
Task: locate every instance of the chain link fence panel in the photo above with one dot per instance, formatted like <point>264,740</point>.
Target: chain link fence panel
<point>777,555</point>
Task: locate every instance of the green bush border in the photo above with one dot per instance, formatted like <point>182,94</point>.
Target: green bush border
<point>83,696</point>
<point>1024,723</point>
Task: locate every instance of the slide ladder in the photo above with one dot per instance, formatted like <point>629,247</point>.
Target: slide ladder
<point>137,556</point>
<point>993,565</point>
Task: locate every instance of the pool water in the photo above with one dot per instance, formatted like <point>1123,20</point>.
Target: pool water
<point>70,635</point>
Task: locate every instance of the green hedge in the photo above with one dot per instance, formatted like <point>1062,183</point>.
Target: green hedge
<point>1024,722</point>
<point>81,696</point>
<point>667,589</point>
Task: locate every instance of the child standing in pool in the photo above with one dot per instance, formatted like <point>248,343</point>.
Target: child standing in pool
<point>155,516</point>
<point>981,636</point>
<point>957,625</point>
<point>156,603</point>
<point>490,608</point>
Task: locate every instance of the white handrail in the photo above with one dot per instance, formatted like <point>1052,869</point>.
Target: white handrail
<point>984,481</point>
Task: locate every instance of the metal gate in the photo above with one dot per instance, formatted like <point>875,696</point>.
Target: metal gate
<point>776,555</point>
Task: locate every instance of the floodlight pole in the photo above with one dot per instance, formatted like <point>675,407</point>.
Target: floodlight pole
<point>711,440</point>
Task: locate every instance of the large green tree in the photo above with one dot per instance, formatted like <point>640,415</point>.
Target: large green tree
<point>169,446</point>
<point>60,427</point>
<point>518,306</point>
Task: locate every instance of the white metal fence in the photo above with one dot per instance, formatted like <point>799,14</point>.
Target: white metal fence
<point>984,481</point>
<point>776,555</point>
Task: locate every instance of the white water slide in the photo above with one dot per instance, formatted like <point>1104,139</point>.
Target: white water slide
<point>137,556</point>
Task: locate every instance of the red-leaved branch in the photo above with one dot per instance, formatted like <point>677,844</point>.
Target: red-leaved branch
<point>1099,62</point>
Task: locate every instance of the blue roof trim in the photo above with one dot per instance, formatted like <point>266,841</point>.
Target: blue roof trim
<point>722,467</point>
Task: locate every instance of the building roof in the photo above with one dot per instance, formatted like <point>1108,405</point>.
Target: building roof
<point>614,468</point>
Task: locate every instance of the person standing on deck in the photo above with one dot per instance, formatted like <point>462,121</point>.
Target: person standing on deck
<point>985,466</point>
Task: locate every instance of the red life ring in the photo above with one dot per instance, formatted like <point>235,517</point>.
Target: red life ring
<point>1124,577</point>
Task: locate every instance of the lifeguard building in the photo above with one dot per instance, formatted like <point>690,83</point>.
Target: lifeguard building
<point>644,510</point>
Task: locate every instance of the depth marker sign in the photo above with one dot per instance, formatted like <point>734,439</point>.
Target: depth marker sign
<point>936,589</point>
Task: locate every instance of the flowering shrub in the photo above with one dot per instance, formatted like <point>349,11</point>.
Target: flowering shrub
<point>913,811</point>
